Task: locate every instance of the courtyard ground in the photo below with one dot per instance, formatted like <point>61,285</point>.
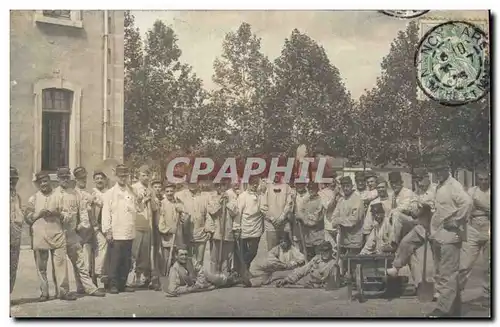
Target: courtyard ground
<point>231,302</point>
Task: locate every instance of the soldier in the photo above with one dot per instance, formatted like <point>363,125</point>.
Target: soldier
<point>222,227</point>
<point>478,236</point>
<point>426,190</point>
<point>348,216</point>
<point>141,247</point>
<point>371,180</point>
<point>188,276</point>
<point>170,220</point>
<point>379,240</point>
<point>447,231</point>
<point>300,194</point>
<point>383,197</point>
<point>279,262</point>
<point>44,215</point>
<point>248,227</point>
<point>277,204</point>
<point>158,262</point>
<point>330,195</point>
<point>315,273</point>
<point>197,231</point>
<point>120,206</point>
<point>311,215</point>
<point>16,226</point>
<point>402,201</point>
<point>75,220</point>
<point>157,188</point>
<point>86,234</point>
<point>101,258</point>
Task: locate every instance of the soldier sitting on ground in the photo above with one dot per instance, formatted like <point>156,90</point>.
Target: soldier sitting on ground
<point>280,262</point>
<point>188,276</point>
<point>316,273</point>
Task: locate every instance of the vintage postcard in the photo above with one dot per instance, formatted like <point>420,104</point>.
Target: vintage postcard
<point>250,163</point>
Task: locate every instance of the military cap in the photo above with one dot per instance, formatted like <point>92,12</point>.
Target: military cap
<point>121,170</point>
<point>99,172</point>
<point>419,173</point>
<point>370,173</point>
<point>377,208</point>
<point>346,180</point>
<point>252,180</point>
<point>395,176</point>
<point>170,185</point>
<point>80,172</point>
<point>14,173</point>
<point>155,181</point>
<point>381,180</point>
<point>144,169</point>
<point>359,175</point>
<point>324,246</point>
<point>63,171</point>
<point>313,186</point>
<point>439,162</point>
<point>40,175</point>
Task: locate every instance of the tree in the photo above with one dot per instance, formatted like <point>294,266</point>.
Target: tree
<point>170,111</point>
<point>309,98</point>
<point>134,79</point>
<point>404,129</point>
<point>243,77</point>
<point>410,131</point>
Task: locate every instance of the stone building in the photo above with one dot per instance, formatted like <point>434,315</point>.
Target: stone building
<point>66,103</point>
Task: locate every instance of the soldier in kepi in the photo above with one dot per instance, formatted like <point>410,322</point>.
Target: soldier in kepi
<point>277,203</point>
<point>75,220</point>
<point>44,216</point>
<point>100,246</point>
<point>280,262</point>
<point>315,273</point>
<point>16,226</point>
<point>141,247</point>
<point>87,234</point>
<point>187,275</point>
<point>447,231</point>
<point>171,219</point>
<point>348,217</point>
<point>221,221</point>
<point>120,205</point>
<point>196,234</point>
<point>478,236</point>
<point>311,215</point>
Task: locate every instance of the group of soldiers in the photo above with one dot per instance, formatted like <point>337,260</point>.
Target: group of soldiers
<point>154,235</point>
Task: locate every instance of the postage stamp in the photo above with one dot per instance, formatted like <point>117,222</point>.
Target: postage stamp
<point>405,13</point>
<point>452,61</point>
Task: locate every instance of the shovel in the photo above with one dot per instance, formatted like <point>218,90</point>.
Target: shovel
<point>425,290</point>
<point>333,281</point>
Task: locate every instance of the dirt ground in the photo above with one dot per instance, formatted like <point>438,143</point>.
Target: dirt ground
<point>231,302</point>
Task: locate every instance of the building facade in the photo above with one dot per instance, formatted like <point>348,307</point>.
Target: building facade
<point>66,91</point>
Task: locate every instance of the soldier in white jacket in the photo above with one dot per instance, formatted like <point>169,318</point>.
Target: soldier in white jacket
<point>277,204</point>
<point>120,207</point>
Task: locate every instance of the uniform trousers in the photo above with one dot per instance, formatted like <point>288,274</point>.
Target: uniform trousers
<point>120,252</point>
<point>59,270</point>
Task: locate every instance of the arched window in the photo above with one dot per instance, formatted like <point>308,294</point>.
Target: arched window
<point>56,124</point>
<point>56,114</point>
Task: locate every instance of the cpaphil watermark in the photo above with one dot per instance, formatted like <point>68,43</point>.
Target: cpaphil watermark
<point>254,166</point>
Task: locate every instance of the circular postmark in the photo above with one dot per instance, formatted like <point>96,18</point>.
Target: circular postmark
<point>404,13</point>
<point>451,62</point>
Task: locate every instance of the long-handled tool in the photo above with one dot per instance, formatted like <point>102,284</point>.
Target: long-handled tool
<point>425,290</point>
<point>223,235</point>
<point>171,252</point>
<point>333,282</point>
